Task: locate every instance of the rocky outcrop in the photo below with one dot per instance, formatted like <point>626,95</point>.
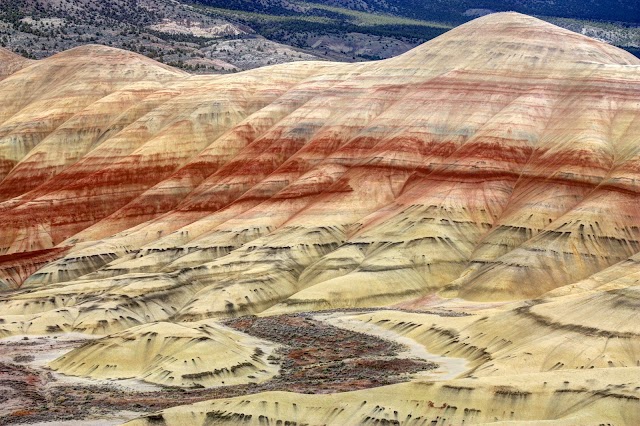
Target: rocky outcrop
<point>188,355</point>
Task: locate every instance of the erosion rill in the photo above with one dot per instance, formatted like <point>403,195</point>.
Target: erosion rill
<point>472,202</point>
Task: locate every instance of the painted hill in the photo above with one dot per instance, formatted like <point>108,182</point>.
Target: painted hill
<point>195,354</point>
<point>497,166</point>
<point>496,163</point>
<point>10,63</point>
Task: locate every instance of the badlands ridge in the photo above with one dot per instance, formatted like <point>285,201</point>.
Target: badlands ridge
<point>483,187</point>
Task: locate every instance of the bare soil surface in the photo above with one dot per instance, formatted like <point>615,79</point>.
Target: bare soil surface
<point>315,357</point>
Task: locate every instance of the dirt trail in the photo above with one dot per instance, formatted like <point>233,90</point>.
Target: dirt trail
<point>448,368</point>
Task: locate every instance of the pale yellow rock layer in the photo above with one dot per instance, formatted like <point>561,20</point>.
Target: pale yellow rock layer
<point>523,367</point>
<point>197,354</point>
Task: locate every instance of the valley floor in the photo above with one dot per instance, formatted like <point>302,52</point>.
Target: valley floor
<point>450,361</point>
<point>318,354</point>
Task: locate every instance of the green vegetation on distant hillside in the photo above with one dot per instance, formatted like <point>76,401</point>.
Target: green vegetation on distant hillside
<point>373,19</point>
<point>323,19</point>
<point>614,33</point>
<point>451,11</point>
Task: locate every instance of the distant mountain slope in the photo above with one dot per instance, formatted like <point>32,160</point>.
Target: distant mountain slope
<point>610,10</point>
<point>371,29</point>
<point>172,32</point>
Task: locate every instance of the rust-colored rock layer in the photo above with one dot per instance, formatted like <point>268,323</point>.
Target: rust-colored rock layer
<point>496,162</point>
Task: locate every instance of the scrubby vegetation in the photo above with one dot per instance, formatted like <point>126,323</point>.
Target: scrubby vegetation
<point>456,11</point>
<point>167,31</point>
